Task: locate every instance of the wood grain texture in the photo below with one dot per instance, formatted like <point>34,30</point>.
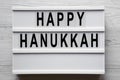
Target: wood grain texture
<point>112,23</point>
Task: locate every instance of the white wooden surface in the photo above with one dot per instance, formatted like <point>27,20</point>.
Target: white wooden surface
<point>112,15</point>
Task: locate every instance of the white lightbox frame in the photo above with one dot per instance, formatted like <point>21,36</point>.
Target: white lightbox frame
<point>59,29</point>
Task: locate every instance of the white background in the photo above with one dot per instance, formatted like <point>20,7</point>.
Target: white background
<point>112,15</point>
